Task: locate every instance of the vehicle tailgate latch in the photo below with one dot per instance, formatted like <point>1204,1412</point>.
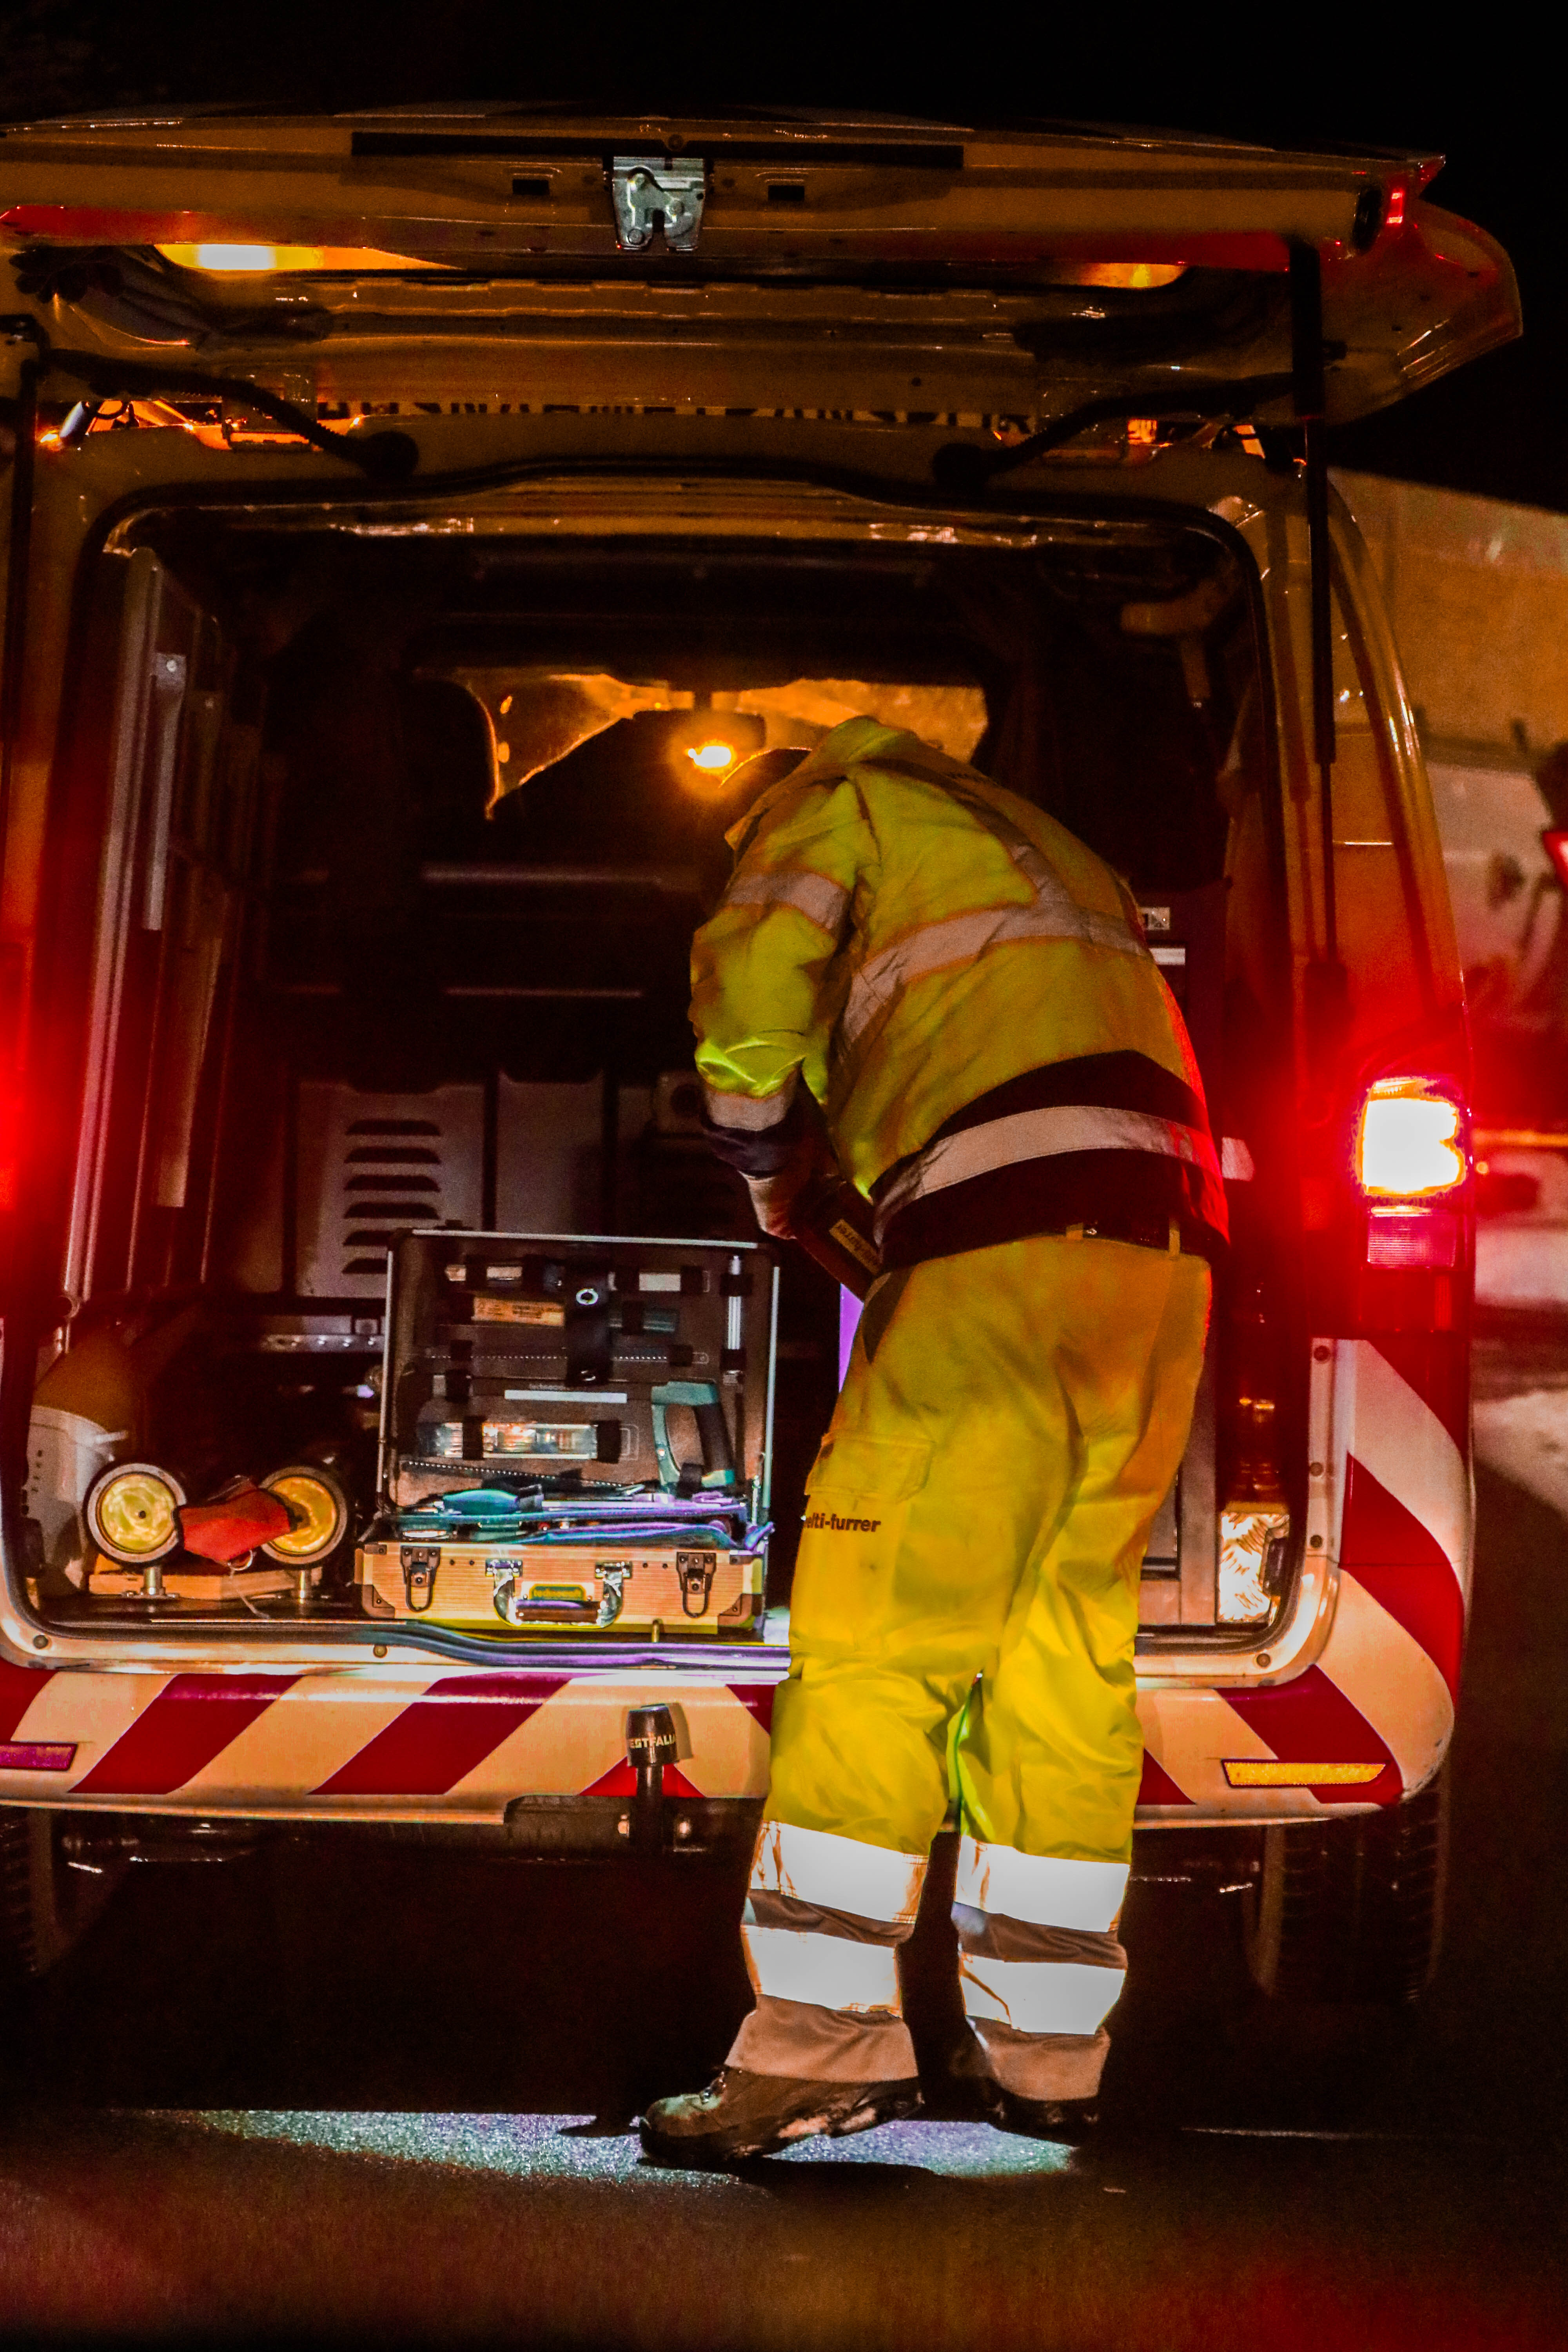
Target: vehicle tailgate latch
<point>650,191</point>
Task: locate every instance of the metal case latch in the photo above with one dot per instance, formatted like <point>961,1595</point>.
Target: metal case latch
<point>504,1575</point>
<point>613,1575</point>
<point>696,1571</point>
<point>420,1562</point>
<point>650,191</point>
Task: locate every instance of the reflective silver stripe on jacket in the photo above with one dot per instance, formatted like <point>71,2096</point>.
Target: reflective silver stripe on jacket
<point>817,896</point>
<point>957,938</point>
<point>935,947</point>
<point>1040,1134</point>
<point>752,1114</point>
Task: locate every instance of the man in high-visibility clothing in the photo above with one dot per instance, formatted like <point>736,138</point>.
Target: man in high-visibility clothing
<point>965,989</point>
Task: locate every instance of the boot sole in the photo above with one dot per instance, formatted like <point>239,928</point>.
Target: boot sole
<point>1066,2132</point>
<point>705,2153</point>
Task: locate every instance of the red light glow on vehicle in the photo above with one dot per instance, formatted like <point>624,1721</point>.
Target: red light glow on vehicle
<point>1409,1143</point>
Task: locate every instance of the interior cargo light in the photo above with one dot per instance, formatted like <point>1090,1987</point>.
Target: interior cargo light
<point>705,747</point>
<point>1409,1141</point>
<point>712,758</point>
<point>706,767</point>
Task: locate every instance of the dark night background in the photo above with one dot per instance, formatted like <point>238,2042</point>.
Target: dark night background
<point>183,2102</point>
<point>1480,91</point>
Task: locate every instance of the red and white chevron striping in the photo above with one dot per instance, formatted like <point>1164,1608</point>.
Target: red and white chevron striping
<point>357,1741</point>
<point>1395,1479</point>
<point>393,1742</point>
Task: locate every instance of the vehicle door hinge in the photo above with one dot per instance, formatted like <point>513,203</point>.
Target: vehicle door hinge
<point>651,192</point>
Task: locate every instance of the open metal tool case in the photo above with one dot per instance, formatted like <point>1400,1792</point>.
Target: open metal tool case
<point>575,1433</point>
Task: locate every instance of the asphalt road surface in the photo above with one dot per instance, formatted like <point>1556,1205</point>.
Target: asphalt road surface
<point>383,2095</point>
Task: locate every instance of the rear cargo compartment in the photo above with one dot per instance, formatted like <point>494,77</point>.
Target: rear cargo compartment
<point>374,857</point>
<point>614,1403</point>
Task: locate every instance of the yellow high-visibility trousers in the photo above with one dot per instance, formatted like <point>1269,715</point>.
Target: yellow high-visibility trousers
<point>964,1610</point>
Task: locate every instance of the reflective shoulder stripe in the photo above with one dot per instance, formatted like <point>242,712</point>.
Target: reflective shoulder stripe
<point>1042,1135</point>
<point>817,896</point>
<point>837,1874</point>
<point>829,1970</point>
<point>958,939</point>
<point>1043,1888</point>
<point>1031,860</point>
<point>1038,1996</point>
<point>751,1114</point>
<point>1055,914</point>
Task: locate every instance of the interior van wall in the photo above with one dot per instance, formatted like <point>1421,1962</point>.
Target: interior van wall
<point>368,982</point>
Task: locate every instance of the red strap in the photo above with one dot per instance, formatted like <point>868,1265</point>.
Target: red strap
<point>237,1524</point>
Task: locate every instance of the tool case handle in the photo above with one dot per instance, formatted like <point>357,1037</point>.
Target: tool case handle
<point>712,1430</point>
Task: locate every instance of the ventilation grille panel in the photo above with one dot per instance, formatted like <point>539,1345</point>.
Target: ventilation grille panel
<point>370,1165</point>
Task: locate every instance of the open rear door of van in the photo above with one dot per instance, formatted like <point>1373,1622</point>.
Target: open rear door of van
<point>925,275</point>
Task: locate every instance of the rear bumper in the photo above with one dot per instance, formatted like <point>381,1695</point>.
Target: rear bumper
<point>1352,1706</point>
<point>357,1744</point>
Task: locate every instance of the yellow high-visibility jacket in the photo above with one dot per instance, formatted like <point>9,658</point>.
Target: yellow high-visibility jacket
<point>966,991</point>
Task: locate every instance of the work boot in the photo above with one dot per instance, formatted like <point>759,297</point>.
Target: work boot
<point>1071,2121</point>
<point>743,2115</point>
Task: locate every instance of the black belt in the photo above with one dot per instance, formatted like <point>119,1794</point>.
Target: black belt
<point>1114,1192</point>
<point>1122,1196</point>
<point>1194,1239</point>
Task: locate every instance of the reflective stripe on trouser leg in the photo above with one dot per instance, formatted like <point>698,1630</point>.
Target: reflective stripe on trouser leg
<point>1002,1440</point>
<point>824,1919</point>
<point>1041,1964</point>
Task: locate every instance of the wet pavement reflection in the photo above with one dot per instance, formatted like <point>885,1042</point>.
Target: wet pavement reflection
<point>385,2093</point>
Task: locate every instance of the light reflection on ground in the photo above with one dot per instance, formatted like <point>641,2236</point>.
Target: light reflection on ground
<point>957,2151</point>
<point>568,2147</point>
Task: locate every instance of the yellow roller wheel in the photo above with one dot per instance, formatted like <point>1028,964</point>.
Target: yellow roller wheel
<point>319,1510</point>
<point>132,1512</point>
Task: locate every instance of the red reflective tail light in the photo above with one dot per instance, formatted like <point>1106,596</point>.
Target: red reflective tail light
<point>1554,841</point>
<point>37,1756</point>
<point>1411,1142</point>
<point>1399,1239</point>
<point>1411,1163</point>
